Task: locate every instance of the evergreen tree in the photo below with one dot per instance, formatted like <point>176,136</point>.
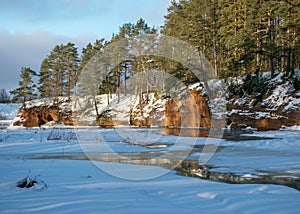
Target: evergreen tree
<point>58,67</point>
<point>59,71</point>
<point>45,79</point>
<point>71,60</point>
<point>26,90</point>
<point>239,36</point>
<point>289,32</point>
<point>89,83</point>
<point>196,23</point>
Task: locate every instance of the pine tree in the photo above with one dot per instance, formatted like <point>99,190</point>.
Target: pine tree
<point>59,72</point>
<point>45,79</point>
<point>90,70</point>
<point>26,90</point>
<point>71,60</point>
<point>196,23</point>
<point>290,31</point>
<point>58,67</point>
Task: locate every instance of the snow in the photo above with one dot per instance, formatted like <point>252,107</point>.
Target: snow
<point>293,105</point>
<point>7,114</point>
<point>56,156</point>
<point>242,101</point>
<point>278,97</point>
<point>258,115</point>
<point>217,107</point>
<point>76,185</point>
<point>291,128</point>
<point>93,191</point>
<point>116,108</point>
<point>9,111</point>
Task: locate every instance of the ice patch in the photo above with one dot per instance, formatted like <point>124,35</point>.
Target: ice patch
<point>207,195</point>
<point>291,128</point>
<point>259,189</point>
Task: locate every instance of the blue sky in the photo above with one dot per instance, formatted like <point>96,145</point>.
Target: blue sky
<point>29,29</point>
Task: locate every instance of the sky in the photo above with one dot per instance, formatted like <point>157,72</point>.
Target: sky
<point>29,29</point>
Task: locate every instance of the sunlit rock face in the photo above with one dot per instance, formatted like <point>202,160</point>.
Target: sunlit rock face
<point>262,117</point>
<point>192,111</point>
<point>41,115</point>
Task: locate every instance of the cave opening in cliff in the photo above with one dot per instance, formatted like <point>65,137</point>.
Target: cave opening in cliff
<point>49,118</point>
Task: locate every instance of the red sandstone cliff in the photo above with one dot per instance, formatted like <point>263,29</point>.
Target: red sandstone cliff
<point>38,113</point>
<point>42,115</point>
<point>193,110</point>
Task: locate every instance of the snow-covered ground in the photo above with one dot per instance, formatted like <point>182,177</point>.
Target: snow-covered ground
<point>68,183</point>
<point>7,113</point>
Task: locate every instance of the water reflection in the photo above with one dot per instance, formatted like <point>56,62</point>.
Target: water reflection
<point>232,135</point>
<point>189,168</point>
<point>191,132</point>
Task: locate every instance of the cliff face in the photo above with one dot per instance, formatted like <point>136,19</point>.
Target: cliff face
<point>264,101</point>
<point>280,106</point>
<point>262,118</point>
<point>192,111</point>
<point>37,116</point>
<point>36,113</point>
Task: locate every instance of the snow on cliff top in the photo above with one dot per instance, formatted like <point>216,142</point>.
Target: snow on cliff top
<point>279,94</point>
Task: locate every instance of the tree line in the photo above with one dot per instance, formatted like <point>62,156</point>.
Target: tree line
<point>237,37</point>
<point>240,36</point>
<point>60,69</point>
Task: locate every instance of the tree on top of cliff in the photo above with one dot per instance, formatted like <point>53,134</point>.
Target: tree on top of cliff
<point>45,79</point>
<point>59,71</point>
<point>26,90</point>
<point>72,63</point>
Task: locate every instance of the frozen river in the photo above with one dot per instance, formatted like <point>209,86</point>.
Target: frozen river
<point>139,170</point>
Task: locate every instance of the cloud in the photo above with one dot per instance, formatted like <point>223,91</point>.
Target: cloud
<point>28,50</point>
<point>30,29</point>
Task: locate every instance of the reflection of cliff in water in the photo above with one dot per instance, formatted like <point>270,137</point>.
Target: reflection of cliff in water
<point>233,135</point>
<point>187,132</point>
<point>189,168</point>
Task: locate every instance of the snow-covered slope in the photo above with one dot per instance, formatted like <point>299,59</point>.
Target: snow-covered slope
<point>124,110</point>
<point>278,95</point>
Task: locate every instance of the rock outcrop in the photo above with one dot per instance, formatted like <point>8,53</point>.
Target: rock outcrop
<point>38,116</point>
<point>261,118</point>
<point>42,112</point>
<point>190,112</point>
<point>190,109</point>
